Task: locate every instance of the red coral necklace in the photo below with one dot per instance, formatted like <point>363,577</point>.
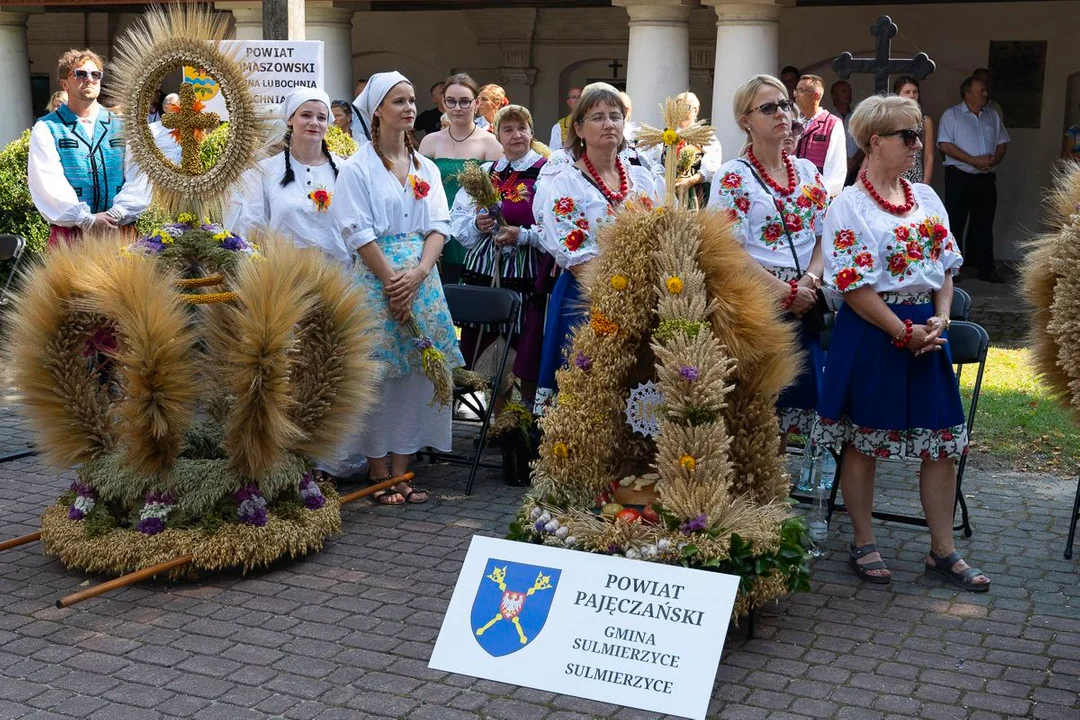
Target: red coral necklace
<point>624,187</point>
<point>909,196</point>
<point>788,164</point>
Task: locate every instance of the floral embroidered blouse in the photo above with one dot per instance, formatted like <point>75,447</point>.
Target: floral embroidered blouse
<point>570,209</point>
<point>759,213</point>
<point>370,203</point>
<point>299,210</point>
<point>865,246</point>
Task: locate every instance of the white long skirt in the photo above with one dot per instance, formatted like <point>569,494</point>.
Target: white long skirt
<point>402,422</point>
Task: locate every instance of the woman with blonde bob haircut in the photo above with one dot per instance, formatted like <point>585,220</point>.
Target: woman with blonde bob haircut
<point>578,192</point>
<point>777,204</point>
<point>889,389</point>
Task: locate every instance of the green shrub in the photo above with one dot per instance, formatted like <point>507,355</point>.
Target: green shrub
<point>18,216</point>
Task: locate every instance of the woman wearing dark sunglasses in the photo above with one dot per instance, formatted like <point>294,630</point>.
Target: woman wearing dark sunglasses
<point>777,203</point>
<point>889,389</point>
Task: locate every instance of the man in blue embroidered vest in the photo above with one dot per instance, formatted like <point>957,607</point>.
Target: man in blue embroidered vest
<point>77,173</point>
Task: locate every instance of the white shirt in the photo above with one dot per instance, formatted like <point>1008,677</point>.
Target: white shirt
<point>370,203</point>
<point>290,210</point>
<point>463,213</point>
<point>865,246</point>
<point>835,168</point>
<point>356,128</point>
<point>974,134</point>
<point>570,209</point>
<point>556,141</point>
<point>758,224</point>
<point>53,195</point>
<point>166,142</point>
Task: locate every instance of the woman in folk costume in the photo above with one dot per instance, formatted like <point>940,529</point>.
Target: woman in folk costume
<point>78,171</point>
<point>291,193</point>
<point>696,164</point>
<point>777,203</point>
<point>452,148</point>
<point>391,209</point>
<point>508,247</point>
<point>889,388</point>
<point>578,192</point>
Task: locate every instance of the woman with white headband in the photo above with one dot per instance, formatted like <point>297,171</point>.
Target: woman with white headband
<point>292,192</point>
<point>391,210</point>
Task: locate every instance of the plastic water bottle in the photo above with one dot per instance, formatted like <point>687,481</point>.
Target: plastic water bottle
<point>806,472</point>
<point>828,468</point>
<point>818,525</point>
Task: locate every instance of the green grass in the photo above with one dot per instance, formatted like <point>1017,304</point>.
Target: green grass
<point>1018,421</point>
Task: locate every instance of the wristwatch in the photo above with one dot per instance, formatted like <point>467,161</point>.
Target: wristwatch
<point>814,278</point>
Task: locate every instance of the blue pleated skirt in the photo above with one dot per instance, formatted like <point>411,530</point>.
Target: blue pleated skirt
<point>885,401</point>
<point>565,312</point>
<point>797,405</point>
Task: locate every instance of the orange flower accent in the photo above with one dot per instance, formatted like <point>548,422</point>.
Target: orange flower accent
<point>321,197</point>
<point>688,462</point>
<point>603,325</point>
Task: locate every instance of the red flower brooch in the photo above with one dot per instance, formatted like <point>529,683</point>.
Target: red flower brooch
<point>420,189</point>
<point>321,197</point>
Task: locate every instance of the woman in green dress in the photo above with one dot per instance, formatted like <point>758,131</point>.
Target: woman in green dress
<point>450,149</point>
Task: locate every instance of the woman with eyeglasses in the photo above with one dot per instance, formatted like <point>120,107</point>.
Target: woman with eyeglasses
<point>506,250</point>
<point>578,192</point>
<point>923,169</point>
<point>777,204</point>
<point>889,389</point>
<point>452,148</point>
<point>490,100</point>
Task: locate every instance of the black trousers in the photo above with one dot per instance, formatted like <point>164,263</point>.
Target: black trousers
<point>971,201</point>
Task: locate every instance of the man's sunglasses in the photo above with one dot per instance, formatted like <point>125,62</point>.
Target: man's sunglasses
<point>87,74</point>
<point>909,136</point>
<point>770,108</point>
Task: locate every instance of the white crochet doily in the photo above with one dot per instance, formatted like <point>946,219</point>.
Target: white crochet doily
<point>643,409</point>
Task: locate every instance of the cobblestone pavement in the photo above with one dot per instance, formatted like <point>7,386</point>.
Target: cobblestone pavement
<point>347,633</point>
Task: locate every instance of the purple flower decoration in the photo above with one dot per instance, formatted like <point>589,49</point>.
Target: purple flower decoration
<point>251,505</point>
<point>539,526</point>
<point>689,373</point>
<point>698,524</point>
<point>150,525</point>
<point>424,343</point>
<point>583,361</point>
<point>234,243</point>
<point>310,493</point>
<point>162,498</point>
<point>614,549</point>
<point>85,497</point>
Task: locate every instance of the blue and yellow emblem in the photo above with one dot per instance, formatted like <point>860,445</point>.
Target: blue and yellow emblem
<point>205,86</point>
<point>511,605</point>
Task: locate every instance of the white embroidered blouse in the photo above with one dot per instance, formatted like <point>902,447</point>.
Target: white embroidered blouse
<point>760,213</point>
<point>865,246</point>
<point>370,203</point>
<point>570,208</point>
<point>299,210</point>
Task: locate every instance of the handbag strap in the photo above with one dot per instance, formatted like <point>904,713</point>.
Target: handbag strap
<point>779,209</point>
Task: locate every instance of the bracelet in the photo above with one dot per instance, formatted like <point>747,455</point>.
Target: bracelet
<point>791,295</point>
<point>903,337</point>
<point>814,279</point>
<point>945,321</point>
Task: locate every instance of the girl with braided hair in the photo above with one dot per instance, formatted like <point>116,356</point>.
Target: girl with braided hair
<point>391,211</point>
<point>292,192</point>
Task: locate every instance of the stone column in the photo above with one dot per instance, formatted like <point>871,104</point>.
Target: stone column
<point>516,76</point>
<point>658,60</point>
<point>247,18</point>
<point>18,113</point>
<point>334,27</point>
<point>747,43</point>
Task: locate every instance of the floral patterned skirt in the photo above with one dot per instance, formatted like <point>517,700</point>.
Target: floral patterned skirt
<point>885,401</point>
<point>797,403</point>
<point>396,350</point>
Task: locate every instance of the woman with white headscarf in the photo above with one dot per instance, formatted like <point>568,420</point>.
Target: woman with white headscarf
<point>292,192</point>
<point>391,210</point>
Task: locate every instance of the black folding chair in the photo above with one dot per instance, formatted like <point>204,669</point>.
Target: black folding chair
<point>969,345</point>
<point>487,306</point>
<point>11,248</point>
<point>1072,523</point>
<point>961,305</point>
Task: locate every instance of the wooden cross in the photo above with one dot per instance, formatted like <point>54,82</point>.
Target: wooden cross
<point>190,123</point>
<point>881,65</point>
<point>615,65</point>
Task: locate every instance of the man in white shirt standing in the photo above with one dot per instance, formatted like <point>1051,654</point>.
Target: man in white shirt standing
<point>78,172</point>
<point>823,141</point>
<point>974,141</point>
<point>562,127</point>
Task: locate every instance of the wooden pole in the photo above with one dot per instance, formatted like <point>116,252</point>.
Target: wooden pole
<point>283,19</point>
<point>16,542</point>
<point>124,581</point>
<point>384,485</point>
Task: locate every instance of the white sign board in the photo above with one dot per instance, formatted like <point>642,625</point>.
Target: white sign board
<point>275,68</point>
<point>626,632</point>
